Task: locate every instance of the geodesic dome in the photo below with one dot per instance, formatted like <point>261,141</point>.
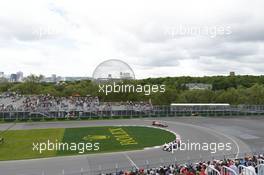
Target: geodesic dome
<point>113,69</point>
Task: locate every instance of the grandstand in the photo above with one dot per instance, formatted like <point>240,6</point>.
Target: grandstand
<point>14,106</point>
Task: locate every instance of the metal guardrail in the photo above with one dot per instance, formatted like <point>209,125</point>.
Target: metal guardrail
<point>260,161</point>
<point>243,170</point>
<point>212,171</point>
<point>156,111</point>
<point>117,166</point>
<point>260,169</point>
<point>228,171</point>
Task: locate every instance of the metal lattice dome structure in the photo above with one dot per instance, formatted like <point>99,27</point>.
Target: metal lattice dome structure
<point>113,69</point>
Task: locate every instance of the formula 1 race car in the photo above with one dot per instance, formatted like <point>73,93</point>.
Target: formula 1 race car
<point>159,124</point>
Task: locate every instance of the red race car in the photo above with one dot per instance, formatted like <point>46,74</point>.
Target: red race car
<point>159,124</point>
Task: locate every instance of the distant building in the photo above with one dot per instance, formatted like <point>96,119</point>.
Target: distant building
<point>2,77</point>
<point>53,78</point>
<point>232,74</point>
<point>19,76</point>
<point>125,75</point>
<point>57,79</point>
<point>76,78</point>
<point>113,70</point>
<point>2,74</point>
<point>13,78</point>
<point>198,86</point>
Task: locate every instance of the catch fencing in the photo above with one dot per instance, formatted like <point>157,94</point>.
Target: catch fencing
<point>133,112</point>
<point>98,169</point>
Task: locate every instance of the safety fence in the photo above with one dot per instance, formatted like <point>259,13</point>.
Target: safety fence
<point>245,170</point>
<point>211,170</point>
<point>260,168</point>
<point>113,167</point>
<point>156,111</point>
<point>228,171</point>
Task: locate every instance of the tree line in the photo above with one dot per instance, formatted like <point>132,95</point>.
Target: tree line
<point>225,89</point>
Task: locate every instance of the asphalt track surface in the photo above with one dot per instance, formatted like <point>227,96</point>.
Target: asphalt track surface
<point>244,135</point>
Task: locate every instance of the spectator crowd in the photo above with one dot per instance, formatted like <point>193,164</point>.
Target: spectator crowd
<point>201,168</point>
<point>12,101</point>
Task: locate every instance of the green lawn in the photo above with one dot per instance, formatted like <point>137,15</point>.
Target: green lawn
<point>19,143</point>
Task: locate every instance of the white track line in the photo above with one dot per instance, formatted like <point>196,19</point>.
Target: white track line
<point>213,132</point>
<point>131,161</point>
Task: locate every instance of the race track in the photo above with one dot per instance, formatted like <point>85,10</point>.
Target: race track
<point>244,135</point>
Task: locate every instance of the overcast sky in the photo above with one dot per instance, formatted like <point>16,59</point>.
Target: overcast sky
<point>156,38</point>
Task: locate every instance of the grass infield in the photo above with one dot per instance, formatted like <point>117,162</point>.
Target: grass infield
<point>18,144</point>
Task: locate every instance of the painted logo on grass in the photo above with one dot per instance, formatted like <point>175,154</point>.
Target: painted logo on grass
<point>122,136</point>
<point>96,137</point>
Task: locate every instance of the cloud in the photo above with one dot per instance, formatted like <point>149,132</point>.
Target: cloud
<point>73,37</point>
